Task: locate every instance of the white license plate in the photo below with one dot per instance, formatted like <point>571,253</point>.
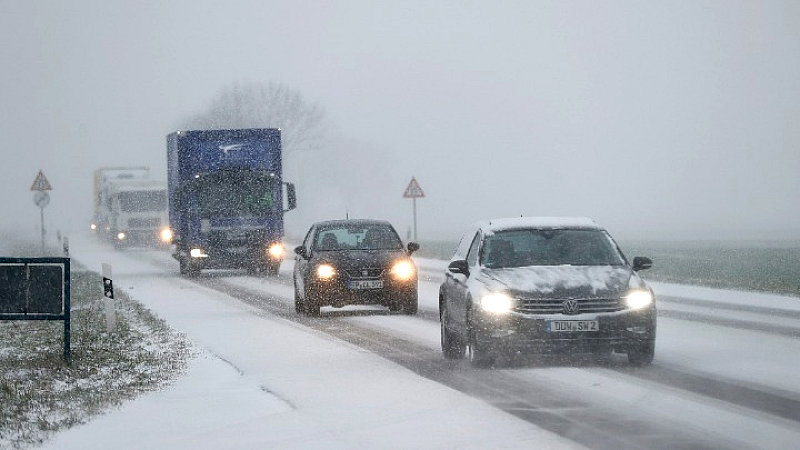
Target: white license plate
<point>366,284</point>
<point>557,326</point>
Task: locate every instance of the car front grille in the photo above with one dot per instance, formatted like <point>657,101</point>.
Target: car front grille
<point>365,273</point>
<point>556,306</point>
<point>144,222</point>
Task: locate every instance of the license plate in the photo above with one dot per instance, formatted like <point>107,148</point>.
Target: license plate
<point>557,326</point>
<point>366,284</point>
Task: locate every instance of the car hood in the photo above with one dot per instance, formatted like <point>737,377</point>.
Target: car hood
<point>354,259</point>
<point>561,281</point>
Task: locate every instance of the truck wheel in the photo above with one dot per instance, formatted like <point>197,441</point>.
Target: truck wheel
<point>411,307</point>
<point>272,269</point>
<point>642,354</point>
<point>188,269</point>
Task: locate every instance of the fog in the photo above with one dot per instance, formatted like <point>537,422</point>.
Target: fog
<point>660,120</point>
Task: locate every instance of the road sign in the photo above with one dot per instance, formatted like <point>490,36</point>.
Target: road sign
<point>413,190</point>
<point>41,199</point>
<point>41,183</point>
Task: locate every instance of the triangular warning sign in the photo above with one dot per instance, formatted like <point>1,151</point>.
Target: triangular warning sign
<point>41,183</point>
<point>413,190</point>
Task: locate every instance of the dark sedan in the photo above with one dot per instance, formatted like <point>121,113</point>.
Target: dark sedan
<point>544,284</point>
<point>354,262</point>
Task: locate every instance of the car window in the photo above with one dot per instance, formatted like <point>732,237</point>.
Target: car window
<point>518,248</point>
<point>472,256</point>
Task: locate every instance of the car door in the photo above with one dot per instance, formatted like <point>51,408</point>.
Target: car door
<point>301,264</point>
<point>459,287</point>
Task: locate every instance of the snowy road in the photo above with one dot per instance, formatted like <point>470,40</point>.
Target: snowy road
<point>724,375</point>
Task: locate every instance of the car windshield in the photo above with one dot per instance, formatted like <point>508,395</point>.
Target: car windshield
<point>141,201</point>
<point>535,247</point>
<point>373,237</point>
<point>234,194</point>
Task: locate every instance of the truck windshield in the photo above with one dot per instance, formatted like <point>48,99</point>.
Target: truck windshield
<point>234,194</point>
<point>141,201</point>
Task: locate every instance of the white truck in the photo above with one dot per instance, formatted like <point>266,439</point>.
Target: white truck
<point>130,208</point>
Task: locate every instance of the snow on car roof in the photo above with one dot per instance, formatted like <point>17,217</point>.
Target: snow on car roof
<point>494,225</point>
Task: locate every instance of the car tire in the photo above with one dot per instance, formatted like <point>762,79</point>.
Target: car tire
<point>310,305</point>
<point>298,304</point>
<point>642,354</point>
<point>411,307</point>
<point>480,355</point>
<point>453,346</point>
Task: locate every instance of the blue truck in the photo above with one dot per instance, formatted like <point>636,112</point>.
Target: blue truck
<point>226,199</point>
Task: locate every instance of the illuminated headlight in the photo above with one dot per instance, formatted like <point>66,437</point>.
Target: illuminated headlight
<point>275,250</point>
<point>166,235</point>
<point>403,270</point>
<point>325,272</point>
<point>93,226</point>
<point>197,253</point>
<point>496,303</point>
<point>638,299</point>
<point>121,236</point>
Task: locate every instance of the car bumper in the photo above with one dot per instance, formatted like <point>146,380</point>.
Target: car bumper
<point>338,294</point>
<point>519,332</point>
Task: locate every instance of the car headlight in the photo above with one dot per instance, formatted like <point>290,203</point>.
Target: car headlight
<point>403,270</point>
<point>325,272</point>
<point>166,235</point>
<point>121,236</point>
<point>496,303</point>
<point>638,299</point>
<point>93,226</point>
<point>275,250</point>
<point>197,253</point>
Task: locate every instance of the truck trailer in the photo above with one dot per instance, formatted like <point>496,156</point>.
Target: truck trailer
<point>226,199</point>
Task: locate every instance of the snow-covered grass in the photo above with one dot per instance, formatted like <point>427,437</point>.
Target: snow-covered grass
<point>41,394</point>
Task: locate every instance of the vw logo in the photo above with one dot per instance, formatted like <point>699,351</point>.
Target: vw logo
<point>364,273</point>
<point>571,306</point>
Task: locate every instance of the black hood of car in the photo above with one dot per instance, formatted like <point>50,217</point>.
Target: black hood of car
<point>357,259</point>
<point>562,281</point>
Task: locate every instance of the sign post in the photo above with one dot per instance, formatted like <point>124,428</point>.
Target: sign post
<point>414,191</point>
<point>41,198</point>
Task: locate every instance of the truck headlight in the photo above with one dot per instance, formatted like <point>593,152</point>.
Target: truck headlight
<point>197,253</point>
<point>275,250</point>
<point>166,235</point>
<point>496,303</point>
<point>638,299</point>
<point>325,272</point>
<point>403,270</point>
<point>93,226</point>
<point>121,236</point>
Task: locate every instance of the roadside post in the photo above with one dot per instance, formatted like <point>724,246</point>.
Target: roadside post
<point>108,296</point>
<point>41,198</point>
<point>414,191</point>
<point>36,289</point>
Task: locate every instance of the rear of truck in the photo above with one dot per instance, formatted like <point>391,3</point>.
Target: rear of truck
<point>226,199</point>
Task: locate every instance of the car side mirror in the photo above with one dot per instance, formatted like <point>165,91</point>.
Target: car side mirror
<point>300,250</point>
<point>642,263</point>
<point>459,266</point>
<point>412,247</point>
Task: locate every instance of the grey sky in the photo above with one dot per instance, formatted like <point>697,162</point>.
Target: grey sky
<point>658,119</point>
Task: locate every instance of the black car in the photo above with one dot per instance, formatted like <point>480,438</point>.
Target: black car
<point>544,284</point>
<point>354,262</point>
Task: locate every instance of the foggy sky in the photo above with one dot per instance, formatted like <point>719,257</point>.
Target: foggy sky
<point>660,120</point>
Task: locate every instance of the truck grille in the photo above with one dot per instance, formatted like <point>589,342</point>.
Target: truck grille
<point>144,222</point>
<point>556,306</point>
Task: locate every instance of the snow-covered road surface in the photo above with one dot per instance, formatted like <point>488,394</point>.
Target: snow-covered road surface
<point>377,380</point>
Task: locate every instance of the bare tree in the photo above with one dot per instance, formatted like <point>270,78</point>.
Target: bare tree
<point>303,124</point>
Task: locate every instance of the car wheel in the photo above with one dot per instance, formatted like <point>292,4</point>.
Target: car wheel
<point>642,354</point>
<point>310,305</point>
<point>298,305</point>
<point>452,345</point>
<point>411,306</point>
<point>480,355</point>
